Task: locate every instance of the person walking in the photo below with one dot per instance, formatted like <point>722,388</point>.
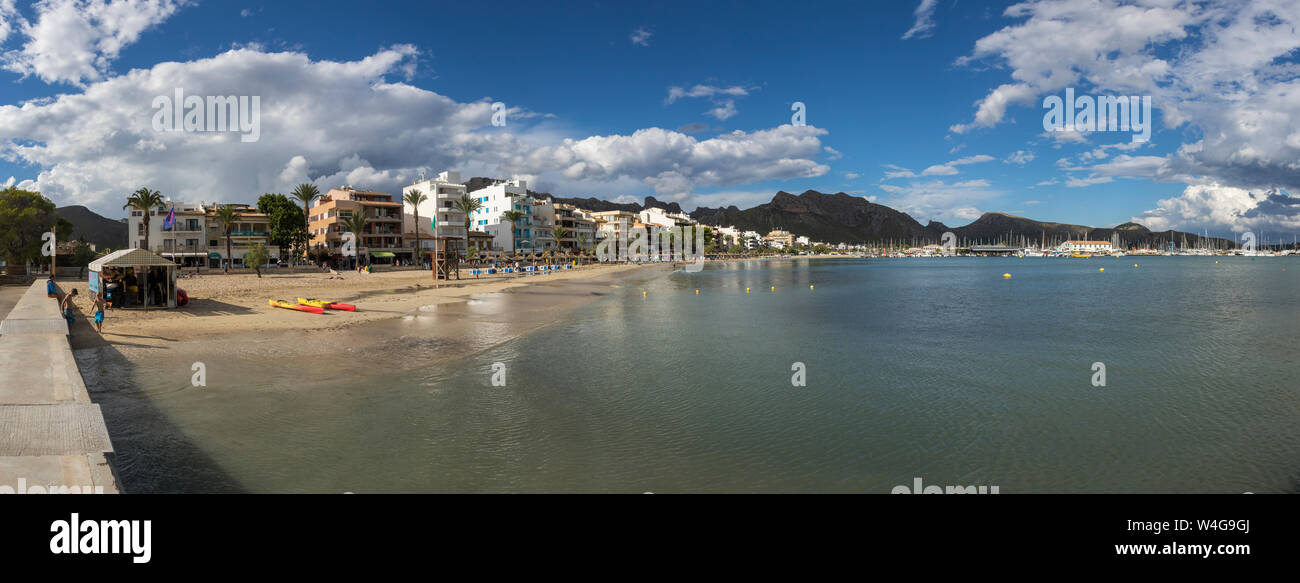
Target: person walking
<point>98,308</point>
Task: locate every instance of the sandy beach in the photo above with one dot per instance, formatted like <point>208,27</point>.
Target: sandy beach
<point>236,304</point>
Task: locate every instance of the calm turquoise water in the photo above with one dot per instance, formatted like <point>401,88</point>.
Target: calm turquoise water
<point>939,369</point>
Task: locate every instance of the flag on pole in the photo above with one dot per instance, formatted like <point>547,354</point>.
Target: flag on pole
<point>170,221</point>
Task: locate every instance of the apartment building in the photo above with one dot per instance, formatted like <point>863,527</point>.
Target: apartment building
<point>779,239</point>
<point>443,202</point>
<point>248,230</point>
<point>381,241</point>
<point>183,243</point>
<point>580,229</point>
<point>498,198</point>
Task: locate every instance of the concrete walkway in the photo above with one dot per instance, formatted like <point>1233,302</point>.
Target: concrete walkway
<point>52,438</point>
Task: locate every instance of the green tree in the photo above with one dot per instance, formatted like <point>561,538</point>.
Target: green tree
<point>560,234</point>
<point>288,225</point>
<point>356,224</point>
<point>146,201</point>
<point>25,216</point>
<point>415,197</point>
<point>257,255</point>
<point>306,193</point>
<point>227,216</point>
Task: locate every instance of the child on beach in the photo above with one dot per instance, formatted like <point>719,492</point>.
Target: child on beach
<point>67,304</point>
<point>98,308</point>
<point>50,292</point>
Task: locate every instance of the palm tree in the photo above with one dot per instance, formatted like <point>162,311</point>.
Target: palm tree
<point>356,224</point>
<point>560,234</point>
<point>144,200</point>
<point>306,193</point>
<point>415,197</point>
<point>468,204</point>
<point>513,216</point>
<point>582,244</point>
<point>227,216</point>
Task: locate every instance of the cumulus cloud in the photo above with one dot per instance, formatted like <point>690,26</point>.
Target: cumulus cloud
<point>1226,69</point>
<point>73,41</point>
<point>924,24</point>
<point>335,123</point>
<point>1218,206</point>
<point>1020,157</point>
<point>641,37</point>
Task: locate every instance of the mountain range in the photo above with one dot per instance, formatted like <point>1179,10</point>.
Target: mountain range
<point>843,218</point>
<point>105,233</point>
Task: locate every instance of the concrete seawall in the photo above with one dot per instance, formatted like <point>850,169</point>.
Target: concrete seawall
<point>51,434</point>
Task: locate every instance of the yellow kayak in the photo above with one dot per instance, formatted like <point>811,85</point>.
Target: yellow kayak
<point>289,306</point>
<point>326,304</point>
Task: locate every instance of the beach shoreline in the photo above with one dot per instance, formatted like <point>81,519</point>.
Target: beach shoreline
<point>236,305</point>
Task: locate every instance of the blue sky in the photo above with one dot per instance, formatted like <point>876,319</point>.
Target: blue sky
<point>933,108</point>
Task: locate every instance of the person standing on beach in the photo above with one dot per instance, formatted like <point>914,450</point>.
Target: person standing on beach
<point>50,291</point>
<point>67,304</point>
<point>98,308</point>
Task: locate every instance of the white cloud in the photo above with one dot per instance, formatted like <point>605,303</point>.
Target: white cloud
<point>641,37</point>
<point>949,168</point>
<point>95,146</point>
<point>832,153</point>
<point>1033,202</point>
<point>852,175</point>
<point>707,91</point>
<point>1020,157</point>
<point>924,23</point>
<point>7,14</point>
<point>1216,206</point>
<point>1226,68</point>
<point>73,41</point>
<point>723,98</point>
<point>726,109</point>
<point>938,200</point>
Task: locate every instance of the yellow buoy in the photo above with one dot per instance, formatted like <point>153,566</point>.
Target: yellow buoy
<point>1102,269</point>
<point>746,290</point>
<point>773,288</point>
<point>1006,276</point>
<point>697,292</point>
<point>642,293</point>
<point>1216,262</point>
<point>810,287</point>
<point>1135,265</point>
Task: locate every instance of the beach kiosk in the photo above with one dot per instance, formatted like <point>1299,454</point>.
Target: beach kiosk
<point>154,276</point>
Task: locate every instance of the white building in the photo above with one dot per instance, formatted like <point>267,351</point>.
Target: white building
<point>444,194</point>
<point>184,243</point>
<point>543,224</point>
<point>499,198</point>
<point>1086,247</point>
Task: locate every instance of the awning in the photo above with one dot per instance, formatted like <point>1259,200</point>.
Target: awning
<point>130,258</point>
<point>381,254</point>
<point>214,255</point>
